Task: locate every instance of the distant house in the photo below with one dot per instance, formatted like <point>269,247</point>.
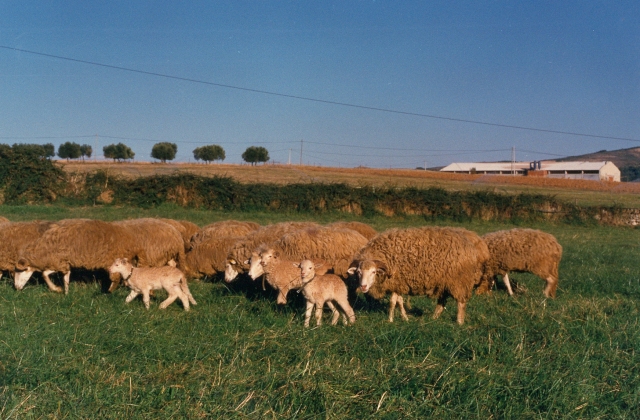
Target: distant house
<point>596,171</point>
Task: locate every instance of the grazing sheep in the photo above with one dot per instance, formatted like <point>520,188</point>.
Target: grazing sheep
<point>318,289</point>
<point>335,246</point>
<point>433,261</point>
<point>144,279</point>
<point>156,241</point>
<point>281,274</point>
<point>17,236</point>
<point>362,228</point>
<point>209,257</point>
<point>4,220</point>
<point>240,252</point>
<point>522,250</point>
<point>225,228</point>
<point>74,243</point>
<point>185,228</point>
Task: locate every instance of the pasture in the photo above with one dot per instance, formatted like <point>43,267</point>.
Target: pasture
<point>237,355</point>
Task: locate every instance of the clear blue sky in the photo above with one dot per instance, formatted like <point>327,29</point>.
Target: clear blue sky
<point>570,66</point>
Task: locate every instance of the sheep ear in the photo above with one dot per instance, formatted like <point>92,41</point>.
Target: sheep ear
<point>247,262</point>
<point>232,261</point>
<point>318,265</point>
<point>22,264</point>
<point>352,270</point>
<point>124,260</point>
<point>297,265</point>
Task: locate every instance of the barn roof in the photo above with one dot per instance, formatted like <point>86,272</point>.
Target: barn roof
<point>506,166</point>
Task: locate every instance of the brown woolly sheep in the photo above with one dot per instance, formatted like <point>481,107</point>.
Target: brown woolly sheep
<point>145,279</point>
<point>321,289</point>
<point>522,250</point>
<point>17,236</point>
<point>362,228</point>
<point>157,241</point>
<point>209,257</point>
<point>4,220</point>
<point>240,252</point>
<point>225,228</point>
<point>433,261</point>
<point>185,228</point>
<point>77,243</point>
<point>335,246</point>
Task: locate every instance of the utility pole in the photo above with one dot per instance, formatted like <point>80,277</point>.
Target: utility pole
<point>289,157</point>
<point>425,165</point>
<point>301,144</point>
<point>513,160</point>
<point>95,150</point>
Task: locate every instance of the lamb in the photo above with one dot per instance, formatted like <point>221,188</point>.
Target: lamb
<point>362,228</point>
<point>143,280</point>
<point>77,243</point>
<point>156,243</point>
<point>522,250</point>
<point>240,252</point>
<point>434,261</point>
<point>225,228</point>
<point>318,289</point>
<point>281,274</point>
<point>17,236</point>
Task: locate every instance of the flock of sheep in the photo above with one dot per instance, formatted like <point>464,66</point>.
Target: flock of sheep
<point>327,264</point>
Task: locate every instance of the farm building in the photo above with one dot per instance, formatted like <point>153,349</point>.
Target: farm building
<point>596,171</point>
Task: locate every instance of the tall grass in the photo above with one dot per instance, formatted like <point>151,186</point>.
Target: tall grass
<point>237,355</point>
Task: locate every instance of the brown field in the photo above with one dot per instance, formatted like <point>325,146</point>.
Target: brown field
<point>578,191</point>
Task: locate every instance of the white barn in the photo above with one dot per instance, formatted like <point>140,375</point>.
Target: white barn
<point>596,171</point>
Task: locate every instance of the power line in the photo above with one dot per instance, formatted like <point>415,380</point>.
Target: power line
<point>323,101</point>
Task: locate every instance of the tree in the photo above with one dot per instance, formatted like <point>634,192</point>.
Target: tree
<point>164,151</point>
<point>49,150</point>
<point>255,154</point>
<point>209,153</point>
<point>69,150</point>
<point>31,150</point>
<point>118,151</point>
<point>86,150</point>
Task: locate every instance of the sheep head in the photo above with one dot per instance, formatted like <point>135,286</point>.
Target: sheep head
<point>121,266</point>
<point>268,255</point>
<point>307,270</point>
<point>22,273</point>
<point>367,272</point>
<point>231,270</point>
<point>255,266</point>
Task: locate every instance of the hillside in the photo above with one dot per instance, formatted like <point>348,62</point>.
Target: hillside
<point>621,157</point>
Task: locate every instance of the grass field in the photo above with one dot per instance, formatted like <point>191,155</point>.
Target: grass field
<point>237,355</point>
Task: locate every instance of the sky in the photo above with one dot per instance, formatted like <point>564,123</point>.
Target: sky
<point>381,84</point>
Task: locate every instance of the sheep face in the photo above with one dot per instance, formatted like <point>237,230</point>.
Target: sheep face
<point>307,270</point>
<point>256,269</point>
<point>367,272</point>
<point>22,275</point>
<point>121,266</point>
<point>231,270</point>
<point>267,256</point>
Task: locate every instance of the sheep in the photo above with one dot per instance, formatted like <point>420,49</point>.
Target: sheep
<point>281,274</point>
<point>15,237</point>
<point>318,289</point>
<point>144,279</point>
<point>4,220</point>
<point>185,228</point>
<point>225,228</point>
<point>240,252</point>
<point>209,257</point>
<point>335,246</point>
<point>522,250</point>
<point>157,242</point>
<point>362,228</point>
<point>434,261</point>
<point>77,243</point>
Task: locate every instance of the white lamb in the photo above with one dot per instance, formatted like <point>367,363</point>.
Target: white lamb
<point>144,279</point>
<point>321,289</point>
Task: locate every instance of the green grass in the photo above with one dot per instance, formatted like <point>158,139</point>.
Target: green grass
<point>237,355</point>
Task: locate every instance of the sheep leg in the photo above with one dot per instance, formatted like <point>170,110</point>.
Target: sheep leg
<point>334,312</point>
<point>461,312</point>
<point>174,293</point>
<point>439,307</point>
<point>187,292</point>
<point>319,307</point>
<point>550,288</point>
<point>67,279</point>
<point>146,298</point>
<point>507,283</point>
<point>403,313</point>
<point>131,296</point>
<point>307,313</point>
<point>347,310</point>
<point>52,286</point>
<point>392,305</point>
<point>282,296</point>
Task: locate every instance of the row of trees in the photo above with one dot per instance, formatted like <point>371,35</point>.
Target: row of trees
<point>162,151</point>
